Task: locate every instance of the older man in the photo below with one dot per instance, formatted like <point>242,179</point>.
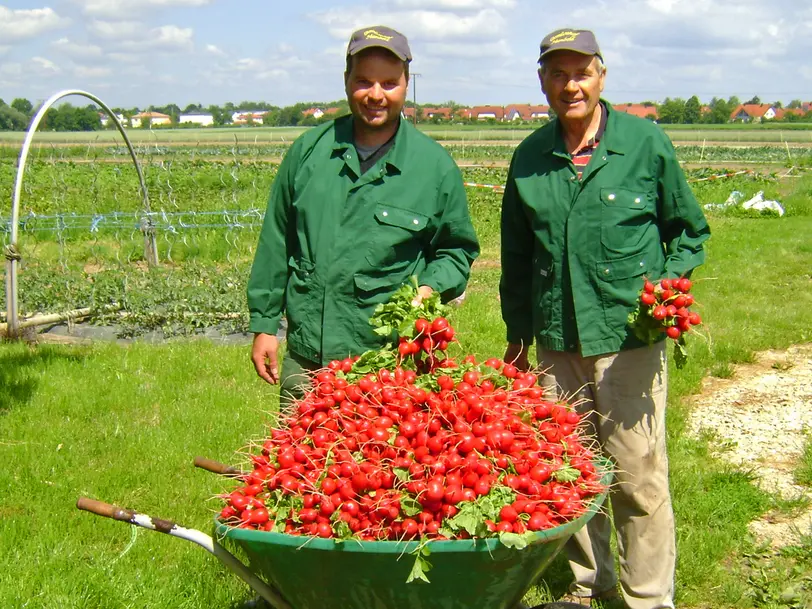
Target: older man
<point>358,206</point>
<point>595,201</point>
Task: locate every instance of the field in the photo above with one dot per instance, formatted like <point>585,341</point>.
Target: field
<point>122,422</point>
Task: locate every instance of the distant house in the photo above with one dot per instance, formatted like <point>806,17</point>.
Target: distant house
<point>485,112</point>
<point>248,117</point>
<point>105,120</point>
<point>316,113</point>
<point>154,118</point>
<point>639,110</point>
<point>441,113</point>
<point>197,118</point>
<point>799,112</point>
<point>408,112</point>
<point>526,112</point>
<point>752,113</point>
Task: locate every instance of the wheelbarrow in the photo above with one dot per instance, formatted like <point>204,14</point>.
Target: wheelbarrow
<point>296,572</point>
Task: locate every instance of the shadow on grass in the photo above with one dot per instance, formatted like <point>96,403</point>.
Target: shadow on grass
<point>18,368</point>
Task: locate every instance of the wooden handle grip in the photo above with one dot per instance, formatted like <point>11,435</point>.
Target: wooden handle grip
<point>100,508</point>
<point>217,467</point>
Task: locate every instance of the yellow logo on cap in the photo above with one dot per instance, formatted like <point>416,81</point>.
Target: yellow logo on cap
<point>374,35</point>
<point>564,37</point>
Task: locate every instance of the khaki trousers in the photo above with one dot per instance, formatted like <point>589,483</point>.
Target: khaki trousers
<point>623,399</point>
<point>294,378</point>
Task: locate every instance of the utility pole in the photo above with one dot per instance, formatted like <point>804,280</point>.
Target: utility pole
<point>414,93</point>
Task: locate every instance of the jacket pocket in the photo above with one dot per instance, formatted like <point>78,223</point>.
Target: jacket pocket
<point>302,302</point>
<point>619,281</point>
<point>397,237</point>
<point>542,285</point>
<point>373,289</point>
<point>628,219</point>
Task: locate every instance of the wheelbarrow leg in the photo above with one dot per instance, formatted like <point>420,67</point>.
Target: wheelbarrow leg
<point>270,594</point>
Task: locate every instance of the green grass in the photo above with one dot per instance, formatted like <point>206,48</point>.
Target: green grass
<point>120,424</point>
<point>803,474</point>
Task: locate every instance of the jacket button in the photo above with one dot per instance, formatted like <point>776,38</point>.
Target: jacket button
<point>611,197</point>
<point>642,263</point>
<point>384,214</point>
<point>637,200</point>
<point>605,271</point>
<point>416,221</point>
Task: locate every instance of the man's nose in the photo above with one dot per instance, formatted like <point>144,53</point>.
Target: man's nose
<point>376,91</point>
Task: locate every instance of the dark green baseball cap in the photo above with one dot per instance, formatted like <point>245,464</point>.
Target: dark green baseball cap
<point>382,37</point>
<point>567,39</point>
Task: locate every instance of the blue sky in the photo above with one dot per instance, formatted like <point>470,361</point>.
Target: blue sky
<point>142,52</point>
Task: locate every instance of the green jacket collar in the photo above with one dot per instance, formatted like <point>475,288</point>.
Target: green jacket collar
<point>395,158</point>
<point>614,139</point>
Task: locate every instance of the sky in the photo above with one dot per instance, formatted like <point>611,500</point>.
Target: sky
<point>136,53</point>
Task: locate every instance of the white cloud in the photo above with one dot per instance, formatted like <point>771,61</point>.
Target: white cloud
<point>4,50</point>
<point>134,37</point>
<point>27,23</point>
<point>75,49</point>
<point>45,65</point>
<point>124,57</point>
<point>81,71</point>
<point>117,8</point>
<point>455,4</point>
<point>662,6</point>
<point>498,49</point>
<point>116,30</point>
<point>488,24</point>
<point>215,50</point>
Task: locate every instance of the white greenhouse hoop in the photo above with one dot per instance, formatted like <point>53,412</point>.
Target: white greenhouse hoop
<point>12,252</point>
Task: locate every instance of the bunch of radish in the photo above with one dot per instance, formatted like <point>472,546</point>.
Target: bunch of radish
<point>665,307</point>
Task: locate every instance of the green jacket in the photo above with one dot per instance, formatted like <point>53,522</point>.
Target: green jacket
<point>335,243</point>
<point>574,252</point>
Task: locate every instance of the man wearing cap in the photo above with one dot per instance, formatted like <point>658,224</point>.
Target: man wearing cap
<point>359,205</point>
<point>595,201</point>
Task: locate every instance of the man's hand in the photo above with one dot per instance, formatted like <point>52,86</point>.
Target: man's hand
<point>264,355</point>
<point>517,355</point>
<point>423,292</point>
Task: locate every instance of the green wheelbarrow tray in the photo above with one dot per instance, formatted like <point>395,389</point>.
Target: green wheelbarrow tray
<point>297,572</point>
<point>315,573</point>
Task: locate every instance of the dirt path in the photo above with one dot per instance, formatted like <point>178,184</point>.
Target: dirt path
<point>762,417</point>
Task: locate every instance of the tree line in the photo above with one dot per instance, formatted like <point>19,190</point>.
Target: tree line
<point>65,117</point>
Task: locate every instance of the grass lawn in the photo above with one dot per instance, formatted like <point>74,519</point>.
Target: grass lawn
<point>123,423</point>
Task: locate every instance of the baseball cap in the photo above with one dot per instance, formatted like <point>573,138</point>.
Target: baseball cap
<point>578,41</point>
<point>380,36</point>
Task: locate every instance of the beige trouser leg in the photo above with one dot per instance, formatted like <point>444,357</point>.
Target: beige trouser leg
<point>626,409</point>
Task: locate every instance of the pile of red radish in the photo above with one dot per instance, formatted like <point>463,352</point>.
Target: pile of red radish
<point>394,445</point>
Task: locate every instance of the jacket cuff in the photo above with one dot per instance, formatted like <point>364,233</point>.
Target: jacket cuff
<point>264,325</point>
<point>519,337</point>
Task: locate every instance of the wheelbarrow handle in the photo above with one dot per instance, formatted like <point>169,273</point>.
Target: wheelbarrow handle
<point>218,468</point>
<point>266,591</point>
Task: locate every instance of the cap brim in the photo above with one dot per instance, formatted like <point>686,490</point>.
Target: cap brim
<point>369,44</point>
<point>549,52</point>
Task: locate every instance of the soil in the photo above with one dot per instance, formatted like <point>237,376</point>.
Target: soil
<point>762,417</point>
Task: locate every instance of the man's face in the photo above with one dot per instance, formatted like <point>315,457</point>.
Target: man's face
<point>376,87</point>
<point>572,83</point>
